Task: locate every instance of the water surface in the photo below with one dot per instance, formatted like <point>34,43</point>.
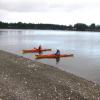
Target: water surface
<point>84,45</point>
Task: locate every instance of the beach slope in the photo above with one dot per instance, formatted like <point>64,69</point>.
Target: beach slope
<point>24,79</point>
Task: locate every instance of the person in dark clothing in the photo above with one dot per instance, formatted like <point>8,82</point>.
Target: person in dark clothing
<point>40,49</point>
<point>58,55</point>
<point>57,52</point>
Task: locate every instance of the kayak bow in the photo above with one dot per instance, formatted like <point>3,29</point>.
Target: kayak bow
<point>53,56</point>
<point>35,50</point>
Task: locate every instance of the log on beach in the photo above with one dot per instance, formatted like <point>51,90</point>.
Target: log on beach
<point>24,79</point>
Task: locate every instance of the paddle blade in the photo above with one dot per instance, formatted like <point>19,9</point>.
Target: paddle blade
<point>21,52</point>
<point>34,56</point>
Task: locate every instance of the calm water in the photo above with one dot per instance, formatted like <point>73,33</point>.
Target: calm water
<point>84,45</point>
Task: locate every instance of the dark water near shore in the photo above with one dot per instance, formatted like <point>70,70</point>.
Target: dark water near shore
<point>84,45</point>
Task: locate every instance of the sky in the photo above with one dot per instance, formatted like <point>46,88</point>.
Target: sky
<point>64,12</point>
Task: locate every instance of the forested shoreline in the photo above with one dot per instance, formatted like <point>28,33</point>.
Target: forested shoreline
<point>75,27</point>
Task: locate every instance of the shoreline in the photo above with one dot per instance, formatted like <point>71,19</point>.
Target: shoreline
<point>24,79</point>
<point>48,29</point>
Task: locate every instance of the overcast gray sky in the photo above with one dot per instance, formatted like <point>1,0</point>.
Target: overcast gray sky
<point>50,11</point>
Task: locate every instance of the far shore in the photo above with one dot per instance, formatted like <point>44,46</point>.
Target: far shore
<point>49,29</point>
<point>44,26</point>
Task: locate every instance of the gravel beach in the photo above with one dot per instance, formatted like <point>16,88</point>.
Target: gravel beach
<point>24,79</point>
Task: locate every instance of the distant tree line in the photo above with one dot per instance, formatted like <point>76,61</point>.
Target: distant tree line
<point>75,27</point>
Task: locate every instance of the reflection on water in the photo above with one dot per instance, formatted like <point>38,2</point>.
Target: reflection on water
<point>57,60</point>
<point>84,45</point>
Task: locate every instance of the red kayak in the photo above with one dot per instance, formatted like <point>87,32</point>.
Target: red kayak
<point>53,56</point>
<point>35,50</point>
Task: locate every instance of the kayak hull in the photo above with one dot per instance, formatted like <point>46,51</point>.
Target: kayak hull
<point>35,50</point>
<point>53,56</point>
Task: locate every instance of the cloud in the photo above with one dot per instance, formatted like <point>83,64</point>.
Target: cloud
<point>23,6</point>
<point>50,11</point>
<point>44,5</point>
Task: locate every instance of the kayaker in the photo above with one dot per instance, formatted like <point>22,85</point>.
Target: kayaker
<point>57,52</point>
<point>40,49</point>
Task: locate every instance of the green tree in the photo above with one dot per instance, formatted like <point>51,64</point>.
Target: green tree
<point>92,27</point>
<point>80,27</point>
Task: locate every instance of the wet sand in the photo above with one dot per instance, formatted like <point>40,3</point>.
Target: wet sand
<point>24,79</point>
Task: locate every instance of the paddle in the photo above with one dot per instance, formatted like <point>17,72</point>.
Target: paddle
<point>21,52</point>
